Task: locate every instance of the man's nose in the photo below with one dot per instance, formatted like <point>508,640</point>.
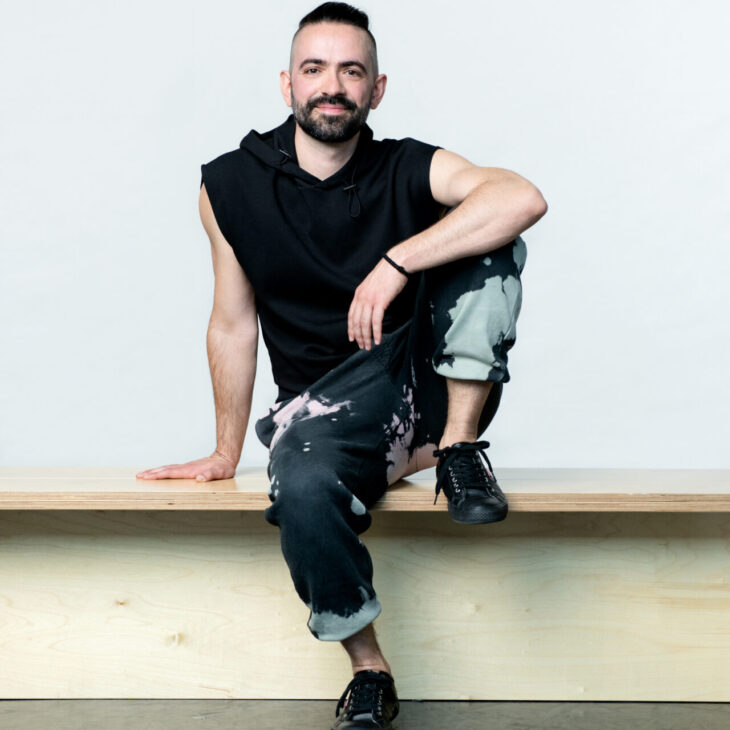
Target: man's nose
<point>332,83</point>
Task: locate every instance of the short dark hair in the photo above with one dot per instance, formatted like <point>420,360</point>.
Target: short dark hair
<point>340,13</point>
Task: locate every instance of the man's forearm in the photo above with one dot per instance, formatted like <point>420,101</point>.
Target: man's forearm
<point>232,358</point>
<point>491,216</point>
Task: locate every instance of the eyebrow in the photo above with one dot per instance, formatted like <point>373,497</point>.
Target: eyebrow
<point>322,62</point>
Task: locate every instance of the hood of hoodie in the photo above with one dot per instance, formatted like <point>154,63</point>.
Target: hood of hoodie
<point>276,149</point>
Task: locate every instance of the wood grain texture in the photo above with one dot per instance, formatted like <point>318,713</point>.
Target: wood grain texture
<point>200,604</point>
<point>527,490</point>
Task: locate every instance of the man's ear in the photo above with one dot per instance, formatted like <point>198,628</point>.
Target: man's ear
<point>285,86</point>
<point>378,90</point>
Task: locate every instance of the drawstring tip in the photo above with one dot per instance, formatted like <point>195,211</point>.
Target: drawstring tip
<point>353,201</point>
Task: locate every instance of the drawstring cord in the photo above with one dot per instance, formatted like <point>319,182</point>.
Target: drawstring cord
<point>351,190</point>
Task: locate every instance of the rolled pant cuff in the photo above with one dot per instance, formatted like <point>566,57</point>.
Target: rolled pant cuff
<point>465,368</point>
<point>329,626</point>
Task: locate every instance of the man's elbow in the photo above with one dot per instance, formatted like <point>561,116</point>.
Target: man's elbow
<point>535,205</point>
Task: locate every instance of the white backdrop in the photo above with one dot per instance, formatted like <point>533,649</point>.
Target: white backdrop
<point>619,112</point>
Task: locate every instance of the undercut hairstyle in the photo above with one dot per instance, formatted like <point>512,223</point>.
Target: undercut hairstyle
<point>339,13</point>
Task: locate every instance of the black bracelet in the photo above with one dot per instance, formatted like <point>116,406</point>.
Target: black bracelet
<point>397,266</point>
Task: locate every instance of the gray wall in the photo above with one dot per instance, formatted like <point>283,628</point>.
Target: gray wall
<point>617,111</point>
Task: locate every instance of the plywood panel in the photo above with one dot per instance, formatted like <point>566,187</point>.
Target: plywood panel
<point>590,606</point>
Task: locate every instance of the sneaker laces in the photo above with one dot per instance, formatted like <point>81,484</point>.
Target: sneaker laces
<point>468,471</point>
<point>366,696</point>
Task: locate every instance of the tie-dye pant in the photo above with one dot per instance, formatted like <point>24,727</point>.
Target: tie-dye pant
<point>336,447</point>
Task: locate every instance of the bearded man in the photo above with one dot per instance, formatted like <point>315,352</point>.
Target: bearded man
<point>386,277</point>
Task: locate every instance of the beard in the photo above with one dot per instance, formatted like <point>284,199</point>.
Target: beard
<point>330,127</point>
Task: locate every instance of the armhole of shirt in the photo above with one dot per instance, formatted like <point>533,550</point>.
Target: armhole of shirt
<point>425,152</point>
<point>215,196</point>
<point>427,172</point>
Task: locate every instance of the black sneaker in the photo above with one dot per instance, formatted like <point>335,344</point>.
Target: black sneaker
<point>372,702</point>
<point>471,489</point>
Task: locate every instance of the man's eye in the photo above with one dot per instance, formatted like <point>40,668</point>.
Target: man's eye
<point>306,71</point>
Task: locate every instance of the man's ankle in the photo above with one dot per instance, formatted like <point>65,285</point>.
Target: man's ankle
<point>449,439</point>
<point>374,666</point>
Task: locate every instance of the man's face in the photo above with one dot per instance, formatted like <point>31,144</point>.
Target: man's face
<point>331,80</point>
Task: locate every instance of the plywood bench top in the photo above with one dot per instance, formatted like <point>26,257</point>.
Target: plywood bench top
<point>527,490</point>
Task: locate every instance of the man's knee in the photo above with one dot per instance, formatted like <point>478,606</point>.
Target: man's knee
<point>312,496</point>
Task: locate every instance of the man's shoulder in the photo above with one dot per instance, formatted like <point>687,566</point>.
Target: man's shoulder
<point>254,150</point>
<point>229,168</point>
<point>402,155</point>
<point>398,142</point>
<point>225,159</point>
<point>403,146</point>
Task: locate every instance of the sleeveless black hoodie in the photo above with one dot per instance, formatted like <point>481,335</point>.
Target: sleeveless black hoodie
<point>305,244</point>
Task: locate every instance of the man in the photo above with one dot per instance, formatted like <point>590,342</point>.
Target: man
<point>387,323</point>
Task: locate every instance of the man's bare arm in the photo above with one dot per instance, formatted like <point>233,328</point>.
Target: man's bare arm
<point>233,333</point>
<point>232,343</point>
<point>491,207</point>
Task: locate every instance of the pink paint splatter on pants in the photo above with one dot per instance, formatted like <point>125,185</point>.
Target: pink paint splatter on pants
<point>302,407</point>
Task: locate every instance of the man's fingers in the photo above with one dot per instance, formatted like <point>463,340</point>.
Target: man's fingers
<point>366,327</point>
<point>351,334</point>
<point>155,473</point>
<point>378,324</point>
<point>162,472</point>
<point>171,471</point>
<point>356,328</point>
<point>365,323</point>
<point>202,470</point>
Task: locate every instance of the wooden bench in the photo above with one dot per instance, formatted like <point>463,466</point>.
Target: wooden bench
<point>527,490</point>
<point>601,584</point>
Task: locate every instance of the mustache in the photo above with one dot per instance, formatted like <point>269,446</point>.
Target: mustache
<point>334,101</point>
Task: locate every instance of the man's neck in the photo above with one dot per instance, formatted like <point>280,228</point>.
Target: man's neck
<point>322,159</point>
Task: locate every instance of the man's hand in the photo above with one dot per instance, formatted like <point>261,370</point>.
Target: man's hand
<point>372,297</point>
<point>215,466</point>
